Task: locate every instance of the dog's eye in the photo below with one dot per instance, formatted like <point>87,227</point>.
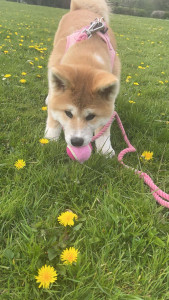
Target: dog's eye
<point>68,114</point>
<point>90,117</point>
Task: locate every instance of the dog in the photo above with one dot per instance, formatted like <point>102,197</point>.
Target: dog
<point>83,81</point>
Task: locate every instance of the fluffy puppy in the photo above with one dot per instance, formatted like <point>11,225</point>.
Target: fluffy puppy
<point>83,83</point>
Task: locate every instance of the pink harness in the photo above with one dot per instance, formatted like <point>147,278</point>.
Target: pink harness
<point>82,35</point>
<point>99,27</point>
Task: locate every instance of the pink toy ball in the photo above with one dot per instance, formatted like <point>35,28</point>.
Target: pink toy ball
<point>80,154</point>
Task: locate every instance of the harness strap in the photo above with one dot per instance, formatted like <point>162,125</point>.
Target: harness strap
<point>85,33</point>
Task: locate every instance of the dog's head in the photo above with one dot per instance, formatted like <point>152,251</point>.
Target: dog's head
<point>82,100</point>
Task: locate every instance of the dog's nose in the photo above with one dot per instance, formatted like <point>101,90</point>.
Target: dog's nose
<point>77,142</point>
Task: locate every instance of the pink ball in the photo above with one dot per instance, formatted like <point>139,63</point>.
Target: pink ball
<point>79,153</point>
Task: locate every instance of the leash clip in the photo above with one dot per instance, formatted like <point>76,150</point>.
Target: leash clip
<point>95,26</point>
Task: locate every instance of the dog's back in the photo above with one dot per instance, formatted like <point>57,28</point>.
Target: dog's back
<point>97,6</point>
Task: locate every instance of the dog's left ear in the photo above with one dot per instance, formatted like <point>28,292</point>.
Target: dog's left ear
<point>106,85</point>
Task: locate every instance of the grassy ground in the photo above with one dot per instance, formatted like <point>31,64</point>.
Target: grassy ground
<point>121,232</point>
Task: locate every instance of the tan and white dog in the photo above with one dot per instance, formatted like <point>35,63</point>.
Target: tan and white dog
<point>83,84</point>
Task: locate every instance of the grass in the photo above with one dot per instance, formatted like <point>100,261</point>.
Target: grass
<point>121,232</point>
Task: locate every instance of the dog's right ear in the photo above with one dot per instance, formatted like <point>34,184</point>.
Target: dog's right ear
<point>59,78</point>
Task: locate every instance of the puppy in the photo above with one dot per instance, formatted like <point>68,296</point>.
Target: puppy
<point>83,76</point>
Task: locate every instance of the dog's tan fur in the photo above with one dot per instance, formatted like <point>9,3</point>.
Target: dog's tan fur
<point>81,80</point>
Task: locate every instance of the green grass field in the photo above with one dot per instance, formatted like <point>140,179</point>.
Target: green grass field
<point>121,232</point>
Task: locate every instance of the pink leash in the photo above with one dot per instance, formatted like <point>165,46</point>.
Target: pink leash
<point>156,192</point>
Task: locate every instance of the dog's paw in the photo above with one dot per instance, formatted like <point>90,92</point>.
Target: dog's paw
<point>47,100</point>
<point>107,151</point>
<point>52,133</point>
<point>104,147</point>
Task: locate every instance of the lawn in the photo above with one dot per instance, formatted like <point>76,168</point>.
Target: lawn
<point>121,233</point>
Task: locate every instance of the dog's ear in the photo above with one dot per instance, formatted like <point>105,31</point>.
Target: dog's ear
<point>59,78</point>
<point>106,85</point>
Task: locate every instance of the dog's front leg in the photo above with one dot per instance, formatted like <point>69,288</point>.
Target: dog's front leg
<point>53,128</point>
<point>103,143</point>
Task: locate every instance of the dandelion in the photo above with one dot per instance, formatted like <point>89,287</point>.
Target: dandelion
<point>161,82</point>
<point>44,141</point>
<point>22,81</point>
<point>40,67</point>
<point>69,256</point>
<point>131,101</point>
<point>6,52</point>
<point>7,76</point>
<point>128,78</point>
<point>39,76</point>
<point>147,155</point>
<point>24,73</point>
<point>44,108</point>
<point>20,164</point>
<point>140,67</point>
<point>136,83</point>
<point>46,275</point>
<point>67,218</point>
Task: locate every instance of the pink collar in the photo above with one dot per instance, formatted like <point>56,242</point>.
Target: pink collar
<point>99,27</point>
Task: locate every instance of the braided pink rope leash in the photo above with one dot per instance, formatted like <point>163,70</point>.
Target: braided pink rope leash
<point>156,192</point>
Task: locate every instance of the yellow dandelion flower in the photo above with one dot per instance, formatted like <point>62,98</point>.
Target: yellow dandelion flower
<point>40,67</point>
<point>46,275</point>
<point>20,164</point>
<point>131,101</point>
<point>67,218</point>
<point>136,83</point>
<point>7,75</point>
<point>44,141</point>
<point>31,63</point>
<point>160,81</point>
<point>166,81</point>
<point>44,108</point>
<point>6,52</point>
<point>24,73</point>
<point>22,80</point>
<point>39,76</point>
<point>147,155</point>
<point>163,73</point>
<point>128,78</point>
<point>69,256</point>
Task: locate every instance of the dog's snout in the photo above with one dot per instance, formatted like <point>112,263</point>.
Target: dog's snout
<point>77,142</point>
